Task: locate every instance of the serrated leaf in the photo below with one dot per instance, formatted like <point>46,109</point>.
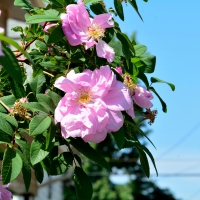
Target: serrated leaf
<point>143,77</point>
<point>17,89</point>
<point>46,101</point>
<point>11,64</point>
<point>139,49</point>
<point>56,35</point>
<point>83,184</point>
<point>52,67</point>
<point>5,127</point>
<point>25,147</point>
<point>39,172</point>
<point>119,9</point>
<point>51,134</point>
<point>55,97</point>
<point>61,163</point>
<point>39,124</point>
<point>38,151</point>
<point>11,166</point>
<point>26,170</point>
<point>156,80</point>
<point>42,46</point>
<point>119,137</point>
<point>9,119</point>
<point>4,138</point>
<point>164,105</point>
<point>49,15</point>
<point>35,106</point>
<point>89,152</point>
<point>149,64</point>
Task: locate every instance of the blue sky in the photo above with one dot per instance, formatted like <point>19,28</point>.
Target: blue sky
<point>171,31</point>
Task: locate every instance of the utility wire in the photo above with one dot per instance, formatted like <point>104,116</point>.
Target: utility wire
<point>187,135</point>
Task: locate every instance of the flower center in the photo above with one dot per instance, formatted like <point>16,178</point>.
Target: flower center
<point>95,31</point>
<point>128,82</point>
<point>84,93</point>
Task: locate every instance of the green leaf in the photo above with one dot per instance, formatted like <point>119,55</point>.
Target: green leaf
<point>90,1</point>
<point>119,137</point>
<point>164,106</point>
<point>17,89</point>
<point>126,44</point>
<point>16,45</point>
<point>83,184</point>
<point>26,170</point>
<point>143,77</point>
<point>119,9</point>
<point>37,83</point>
<point>156,80</point>
<point>61,163</point>
<point>9,101</point>
<point>46,101</point>
<point>9,119</point>
<point>39,124</point>
<point>144,162</point>
<point>149,64</point>
<point>98,8</point>
<point>11,166</point>
<point>4,138</point>
<point>89,152</point>
<point>51,134</point>
<point>139,49</point>
<point>137,129</point>
<point>25,147</point>
<point>11,64</point>
<point>39,172</point>
<point>56,35</point>
<point>50,66</point>
<point>35,106</point>
<point>42,46</point>
<point>22,3</point>
<point>78,159</point>
<point>5,127</point>
<point>38,151</point>
<point>49,15</point>
<point>150,156</point>
<point>55,97</point>
<point>134,5</point>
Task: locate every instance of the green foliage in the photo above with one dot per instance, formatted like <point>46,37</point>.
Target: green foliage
<point>27,105</point>
<point>82,184</point>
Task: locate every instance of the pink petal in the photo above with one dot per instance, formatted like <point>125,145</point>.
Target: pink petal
<point>49,26</point>
<point>115,122</point>
<point>119,98</point>
<point>105,51</point>
<point>96,138</point>
<point>104,20</point>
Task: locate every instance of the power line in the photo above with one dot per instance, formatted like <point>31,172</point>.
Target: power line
<point>188,134</point>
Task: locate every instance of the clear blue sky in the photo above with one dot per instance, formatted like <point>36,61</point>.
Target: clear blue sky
<point>171,31</point>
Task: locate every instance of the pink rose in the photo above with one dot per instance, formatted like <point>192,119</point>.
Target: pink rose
<point>4,193</point>
<point>92,105</point>
<point>79,28</point>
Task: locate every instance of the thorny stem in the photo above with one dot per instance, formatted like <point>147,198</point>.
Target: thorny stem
<point>29,43</point>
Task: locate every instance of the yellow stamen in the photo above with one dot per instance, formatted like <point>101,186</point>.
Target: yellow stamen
<point>96,32</point>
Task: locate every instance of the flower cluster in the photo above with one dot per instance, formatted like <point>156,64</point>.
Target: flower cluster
<point>79,28</point>
<point>92,105</point>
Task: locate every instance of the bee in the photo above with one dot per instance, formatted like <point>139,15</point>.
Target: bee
<point>150,115</point>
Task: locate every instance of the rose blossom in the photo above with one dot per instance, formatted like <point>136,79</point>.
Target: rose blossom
<point>140,95</point>
<point>4,193</point>
<point>92,105</point>
<point>1,32</point>
<point>79,28</point>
